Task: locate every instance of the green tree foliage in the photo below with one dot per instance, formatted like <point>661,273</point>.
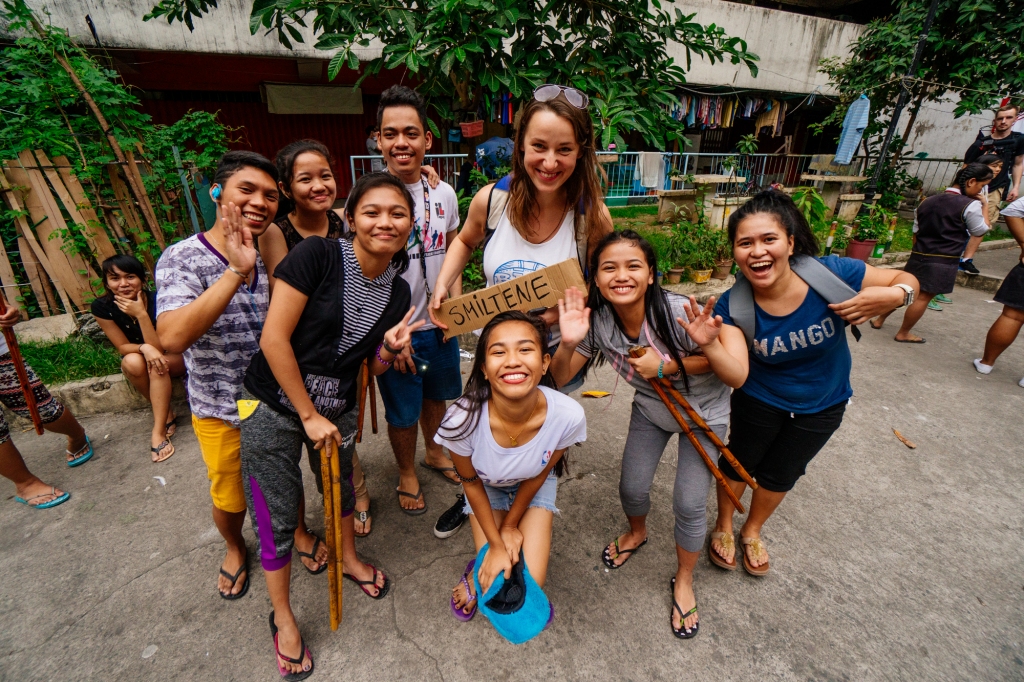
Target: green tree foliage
<point>460,50</point>
<point>40,108</point>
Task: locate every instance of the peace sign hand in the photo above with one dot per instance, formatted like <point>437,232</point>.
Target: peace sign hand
<point>703,327</point>
<point>399,336</point>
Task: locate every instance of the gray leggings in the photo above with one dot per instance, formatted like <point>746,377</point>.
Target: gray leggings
<point>644,447</point>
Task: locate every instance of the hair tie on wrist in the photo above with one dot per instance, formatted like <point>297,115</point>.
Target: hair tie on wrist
<point>389,349</point>
<point>382,361</point>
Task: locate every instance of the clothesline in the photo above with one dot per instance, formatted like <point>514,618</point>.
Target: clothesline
<point>714,111</point>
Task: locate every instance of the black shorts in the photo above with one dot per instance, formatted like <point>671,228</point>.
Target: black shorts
<point>773,445</point>
<point>936,275</point>
<point>1011,291</point>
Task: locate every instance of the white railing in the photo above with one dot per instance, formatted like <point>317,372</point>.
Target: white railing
<point>446,165</point>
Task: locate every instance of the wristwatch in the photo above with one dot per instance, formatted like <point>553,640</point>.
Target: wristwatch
<point>908,294</point>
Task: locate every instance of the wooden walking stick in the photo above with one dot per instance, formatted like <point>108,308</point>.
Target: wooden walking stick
<point>332,525</point>
<point>640,351</point>
<point>712,436</point>
<point>19,369</point>
<point>366,385</point>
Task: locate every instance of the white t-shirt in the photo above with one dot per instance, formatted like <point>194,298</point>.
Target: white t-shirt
<point>444,219</point>
<point>500,467</point>
<point>1015,209</point>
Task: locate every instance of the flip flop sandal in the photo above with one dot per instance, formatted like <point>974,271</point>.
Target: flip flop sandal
<point>728,542</point>
<point>312,556</point>
<point>757,547</point>
<point>683,632</point>
<point>381,591</point>
<point>441,471</point>
<point>79,459</point>
<point>417,496</point>
<point>173,424</point>
<point>158,448</point>
<point>306,653</point>
<point>458,612</point>
<point>60,499</point>
<point>362,517</point>
<point>234,579</point>
<point>908,340</point>
<point>609,561</point>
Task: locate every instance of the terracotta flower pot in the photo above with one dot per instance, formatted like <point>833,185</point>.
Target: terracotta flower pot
<point>722,269</point>
<point>861,250</point>
<point>700,276</point>
<point>674,275</point>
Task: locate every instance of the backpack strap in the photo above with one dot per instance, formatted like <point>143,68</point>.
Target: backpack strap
<point>818,276</point>
<point>826,283</point>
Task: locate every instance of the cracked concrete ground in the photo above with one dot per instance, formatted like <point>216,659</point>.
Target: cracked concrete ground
<point>887,563</point>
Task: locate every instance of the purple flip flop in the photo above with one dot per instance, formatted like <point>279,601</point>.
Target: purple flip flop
<point>456,611</point>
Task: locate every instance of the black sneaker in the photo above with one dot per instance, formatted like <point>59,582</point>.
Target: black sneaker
<point>968,267</point>
<point>449,523</point>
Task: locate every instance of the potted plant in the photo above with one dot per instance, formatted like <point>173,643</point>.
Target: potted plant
<point>702,242</point>
<point>678,252</point>
<point>866,234</point>
<point>723,255</point>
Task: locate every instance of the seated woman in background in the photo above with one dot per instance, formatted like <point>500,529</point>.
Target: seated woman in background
<point>127,315</point>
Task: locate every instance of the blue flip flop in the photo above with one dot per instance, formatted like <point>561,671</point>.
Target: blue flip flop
<point>61,499</point>
<point>80,459</point>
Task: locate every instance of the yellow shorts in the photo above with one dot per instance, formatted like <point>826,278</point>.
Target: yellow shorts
<point>221,446</point>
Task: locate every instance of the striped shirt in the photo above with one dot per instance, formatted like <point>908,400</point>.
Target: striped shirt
<point>365,299</point>
<point>217,361</point>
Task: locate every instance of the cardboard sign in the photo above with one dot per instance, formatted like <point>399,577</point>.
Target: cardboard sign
<point>539,289</point>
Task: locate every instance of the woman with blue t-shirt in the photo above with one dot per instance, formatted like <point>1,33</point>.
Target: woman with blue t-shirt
<point>798,380</point>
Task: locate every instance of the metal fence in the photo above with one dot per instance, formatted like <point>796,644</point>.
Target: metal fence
<point>632,177</point>
<point>446,165</point>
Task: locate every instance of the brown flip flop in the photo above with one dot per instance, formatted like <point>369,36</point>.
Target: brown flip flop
<point>717,559</point>
<point>757,547</point>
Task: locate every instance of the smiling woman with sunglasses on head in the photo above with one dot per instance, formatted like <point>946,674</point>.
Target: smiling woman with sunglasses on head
<point>551,208</point>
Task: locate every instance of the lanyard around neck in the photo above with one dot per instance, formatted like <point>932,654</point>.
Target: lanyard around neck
<point>425,237</point>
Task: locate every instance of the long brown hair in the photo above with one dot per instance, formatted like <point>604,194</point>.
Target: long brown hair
<point>583,189</point>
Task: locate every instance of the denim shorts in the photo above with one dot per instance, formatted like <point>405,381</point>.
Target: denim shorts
<point>502,498</point>
<point>403,394</point>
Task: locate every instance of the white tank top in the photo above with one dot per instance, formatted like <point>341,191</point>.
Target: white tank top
<point>508,255</point>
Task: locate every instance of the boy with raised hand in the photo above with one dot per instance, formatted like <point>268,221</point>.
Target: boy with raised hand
<point>414,391</point>
<point>212,298</point>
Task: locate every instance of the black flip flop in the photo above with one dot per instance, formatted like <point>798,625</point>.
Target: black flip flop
<point>312,556</point>
<point>908,340</point>
<point>610,562</point>
<point>291,677</point>
<point>417,496</point>
<point>168,425</point>
<point>382,591</point>
<point>681,633</point>
<point>234,579</point>
<point>441,471</point>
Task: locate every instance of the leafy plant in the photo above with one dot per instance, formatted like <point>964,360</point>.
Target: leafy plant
<point>464,52</point>
<point>813,207</point>
<point>874,226</point>
<point>747,144</point>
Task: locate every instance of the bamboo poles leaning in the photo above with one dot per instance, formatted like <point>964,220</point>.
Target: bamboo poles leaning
<point>19,369</point>
<point>659,388</point>
<point>330,471</point>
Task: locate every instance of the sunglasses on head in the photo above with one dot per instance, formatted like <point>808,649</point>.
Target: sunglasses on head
<point>550,91</point>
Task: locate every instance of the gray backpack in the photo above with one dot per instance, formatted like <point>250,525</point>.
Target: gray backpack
<point>826,283</point>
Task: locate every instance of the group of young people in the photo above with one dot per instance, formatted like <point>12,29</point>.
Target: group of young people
<point>274,340</point>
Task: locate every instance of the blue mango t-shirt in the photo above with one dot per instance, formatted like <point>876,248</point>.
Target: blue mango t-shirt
<point>801,362</point>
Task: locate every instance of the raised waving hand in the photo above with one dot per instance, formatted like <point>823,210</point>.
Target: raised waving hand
<point>573,317</point>
<point>703,326</point>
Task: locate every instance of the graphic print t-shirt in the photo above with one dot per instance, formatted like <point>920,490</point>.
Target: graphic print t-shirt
<point>444,218</point>
<point>500,467</point>
<point>801,362</point>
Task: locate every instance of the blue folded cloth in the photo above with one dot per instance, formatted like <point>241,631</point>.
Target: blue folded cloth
<point>527,622</point>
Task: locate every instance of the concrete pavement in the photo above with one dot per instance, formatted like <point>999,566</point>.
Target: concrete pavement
<point>887,563</point>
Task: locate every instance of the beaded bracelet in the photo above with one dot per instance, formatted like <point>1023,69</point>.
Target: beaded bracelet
<point>382,361</point>
<point>467,480</point>
<point>661,368</point>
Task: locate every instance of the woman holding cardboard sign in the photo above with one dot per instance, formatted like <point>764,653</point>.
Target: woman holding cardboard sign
<point>549,209</point>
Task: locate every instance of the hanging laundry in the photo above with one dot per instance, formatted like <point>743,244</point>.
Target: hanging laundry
<point>650,169</point>
<point>854,123</point>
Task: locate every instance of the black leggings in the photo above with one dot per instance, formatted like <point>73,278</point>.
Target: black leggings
<point>773,445</point>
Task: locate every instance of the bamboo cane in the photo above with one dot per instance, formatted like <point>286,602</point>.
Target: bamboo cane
<point>364,373</point>
<point>19,369</point>
<point>639,351</point>
<point>339,570</point>
<point>373,399</point>
<point>712,436</point>
<point>333,578</point>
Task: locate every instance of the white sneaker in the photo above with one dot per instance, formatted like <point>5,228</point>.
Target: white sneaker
<point>983,368</point>
<point>1021,382</point>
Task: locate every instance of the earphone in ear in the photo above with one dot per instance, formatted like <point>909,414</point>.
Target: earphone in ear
<point>215,193</point>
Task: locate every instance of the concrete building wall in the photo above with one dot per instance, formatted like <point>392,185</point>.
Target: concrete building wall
<point>790,46</point>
